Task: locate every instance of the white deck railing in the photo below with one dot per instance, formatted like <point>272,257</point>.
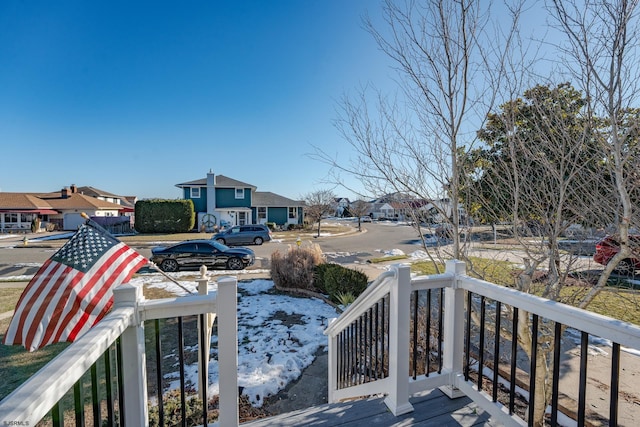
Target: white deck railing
<point>30,402</point>
<point>397,286</point>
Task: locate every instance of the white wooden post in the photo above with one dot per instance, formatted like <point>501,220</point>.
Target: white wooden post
<point>203,365</point>
<point>226,303</point>
<point>332,365</point>
<point>453,346</point>
<point>134,369</point>
<point>400,296</point>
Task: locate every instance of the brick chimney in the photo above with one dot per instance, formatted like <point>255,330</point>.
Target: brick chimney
<point>65,193</point>
<point>74,189</point>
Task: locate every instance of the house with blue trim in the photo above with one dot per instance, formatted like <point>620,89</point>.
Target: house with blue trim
<point>220,201</point>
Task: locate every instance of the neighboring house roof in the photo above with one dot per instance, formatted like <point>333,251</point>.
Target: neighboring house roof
<point>50,203</point>
<point>269,199</point>
<point>26,201</point>
<point>94,192</point>
<point>78,201</point>
<point>221,182</point>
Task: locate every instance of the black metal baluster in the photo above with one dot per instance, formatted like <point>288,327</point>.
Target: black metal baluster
<point>427,358</point>
<point>121,402</point>
<point>357,351</point>
<point>414,366</point>
<point>339,360</point>
<point>108,386</point>
<point>183,398</point>
<point>78,404</point>
<point>203,370</point>
<point>557,343</point>
<point>383,332</point>
<point>344,354</point>
<point>95,395</point>
<point>370,364</point>
<point>483,311</point>
<point>514,359</point>
<point>582,388</point>
<point>159,373</point>
<point>352,350</point>
<point>440,329</point>
<point>56,416</point>
<point>467,340</point>
<point>533,366</point>
<point>377,339</point>
<point>496,350</point>
<point>615,385</point>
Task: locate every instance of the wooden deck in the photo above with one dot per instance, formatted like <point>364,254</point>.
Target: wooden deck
<point>432,408</point>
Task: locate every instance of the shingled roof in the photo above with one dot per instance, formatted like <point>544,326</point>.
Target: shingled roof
<point>221,182</point>
<point>18,201</point>
<point>269,199</point>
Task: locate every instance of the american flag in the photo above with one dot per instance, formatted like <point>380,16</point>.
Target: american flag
<point>72,290</point>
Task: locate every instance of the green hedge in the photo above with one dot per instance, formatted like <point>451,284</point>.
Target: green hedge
<point>334,279</point>
<point>164,216</point>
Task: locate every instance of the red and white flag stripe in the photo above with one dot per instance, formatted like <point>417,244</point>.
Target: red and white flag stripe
<point>62,303</point>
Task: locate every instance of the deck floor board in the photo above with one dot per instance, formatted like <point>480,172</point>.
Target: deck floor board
<point>432,408</point>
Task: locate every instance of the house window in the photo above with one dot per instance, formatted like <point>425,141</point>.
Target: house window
<point>239,193</point>
<point>195,192</point>
<point>293,213</point>
<point>262,215</point>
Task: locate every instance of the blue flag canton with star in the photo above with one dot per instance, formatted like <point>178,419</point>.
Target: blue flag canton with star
<point>85,248</point>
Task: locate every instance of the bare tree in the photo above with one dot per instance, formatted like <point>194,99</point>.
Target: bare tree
<point>601,54</point>
<point>539,162</point>
<point>319,204</point>
<point>448,64</point>
<point>359,208</point>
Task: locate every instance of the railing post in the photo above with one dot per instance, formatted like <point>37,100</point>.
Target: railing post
<point>332,366</point>
<point>203,365</point>
<point>453,346</point>
<point>134,368</point>
<point>226,303</point>
<point>399,300</point>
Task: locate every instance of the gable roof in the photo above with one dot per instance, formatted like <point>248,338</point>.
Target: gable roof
<point>221,181</point>
<point>77,201</point>
<point>53,201</point>
<point>25,201</point>
<point>95,192</point>
<point>269,199</point>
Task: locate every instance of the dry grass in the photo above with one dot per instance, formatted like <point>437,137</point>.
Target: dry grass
<point>9,298</point>
<point>295,269</point>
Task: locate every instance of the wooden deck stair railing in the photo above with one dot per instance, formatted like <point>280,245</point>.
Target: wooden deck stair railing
<point>405,335</point>
<point>36,398</point>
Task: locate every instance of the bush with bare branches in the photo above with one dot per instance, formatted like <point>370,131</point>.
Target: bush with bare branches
<point>294,269</point>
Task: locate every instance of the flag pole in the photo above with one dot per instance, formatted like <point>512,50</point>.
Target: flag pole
<point>151,264</point>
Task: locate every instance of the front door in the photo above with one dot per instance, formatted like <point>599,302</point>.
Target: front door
<point>242,218</point>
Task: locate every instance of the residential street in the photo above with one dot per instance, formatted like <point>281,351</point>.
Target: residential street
<point>351,249</point>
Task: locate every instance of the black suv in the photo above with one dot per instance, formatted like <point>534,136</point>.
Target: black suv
<point>253,234</point>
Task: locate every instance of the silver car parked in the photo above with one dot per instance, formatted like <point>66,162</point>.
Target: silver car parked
<point>252,234</point>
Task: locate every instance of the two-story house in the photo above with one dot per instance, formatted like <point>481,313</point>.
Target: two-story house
<point>221,201</point>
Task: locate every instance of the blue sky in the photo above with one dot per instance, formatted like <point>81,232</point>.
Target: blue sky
<point>135,97</point>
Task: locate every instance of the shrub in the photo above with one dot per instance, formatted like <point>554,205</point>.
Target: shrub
<point>164,216</point>
<point>338,281</point>
<point>319,276</point>
<point>295,268</point>
<point>345,299</point>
